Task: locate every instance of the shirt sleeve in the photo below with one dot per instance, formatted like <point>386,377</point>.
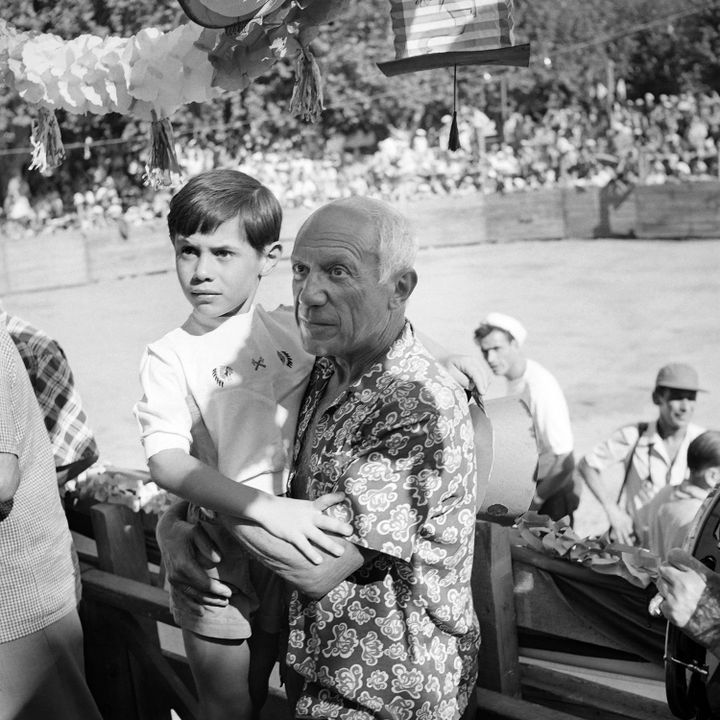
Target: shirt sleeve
<point>552,419</point>
<point>613,450</point>
<point>163,414</point>
<point>8,432</point>
<point>411,491</point>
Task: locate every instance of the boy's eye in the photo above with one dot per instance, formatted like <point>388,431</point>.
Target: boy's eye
<point>222,253</point>
<point>188,250</point>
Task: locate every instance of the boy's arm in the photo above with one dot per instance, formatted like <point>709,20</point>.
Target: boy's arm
<point>296,522</point>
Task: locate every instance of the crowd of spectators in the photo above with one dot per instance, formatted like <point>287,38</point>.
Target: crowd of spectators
<point>649,140</point>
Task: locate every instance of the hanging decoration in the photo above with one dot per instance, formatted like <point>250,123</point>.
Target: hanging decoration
<point>450,33</point>
<point>48,151</point>
<point>225,46</point>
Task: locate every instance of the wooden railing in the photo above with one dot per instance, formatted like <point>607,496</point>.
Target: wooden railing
<point>133,678</point>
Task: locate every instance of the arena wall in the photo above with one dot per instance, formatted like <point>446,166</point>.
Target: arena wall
<point>672,211</point>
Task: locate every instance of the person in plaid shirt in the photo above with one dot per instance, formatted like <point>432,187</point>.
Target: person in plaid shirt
<point>41,640</point>
<point>73,442</point>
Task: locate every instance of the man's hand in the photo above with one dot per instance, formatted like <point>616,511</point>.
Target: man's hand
<point>682,580</point>
<point>187,552</point>
<point>470,372</point>
<point>621,526</point>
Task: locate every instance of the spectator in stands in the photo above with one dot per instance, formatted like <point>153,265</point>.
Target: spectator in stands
<point>41,645</point>
<point>672,511</point>
<point>654,454</point>
<point>73,442</point>
<point>500,338</point>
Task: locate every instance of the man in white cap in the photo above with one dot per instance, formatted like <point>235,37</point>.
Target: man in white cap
<point>500,338</point>
<point>654,454</point>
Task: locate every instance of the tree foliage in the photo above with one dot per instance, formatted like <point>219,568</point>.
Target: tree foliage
<point>656,46</point>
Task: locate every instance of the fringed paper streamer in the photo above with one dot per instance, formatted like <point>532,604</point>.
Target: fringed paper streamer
<point>307,97</point>
<point>454,137</point>
<point>163,169</point>
<point>48,151</point>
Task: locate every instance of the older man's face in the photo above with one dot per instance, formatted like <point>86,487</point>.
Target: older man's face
<point>340,306</point>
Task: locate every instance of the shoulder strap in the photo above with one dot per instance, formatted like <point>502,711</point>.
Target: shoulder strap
<point>641,427</point>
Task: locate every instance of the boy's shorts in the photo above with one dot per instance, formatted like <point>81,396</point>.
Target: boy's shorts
<point>259,596</point>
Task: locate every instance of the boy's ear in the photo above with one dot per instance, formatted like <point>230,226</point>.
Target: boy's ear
<point>272,254</point>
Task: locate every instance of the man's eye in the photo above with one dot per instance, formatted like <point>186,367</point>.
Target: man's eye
<point>222,253</point>
<point>338,271</point>
<point>298,269</point>
<point>188,250</point>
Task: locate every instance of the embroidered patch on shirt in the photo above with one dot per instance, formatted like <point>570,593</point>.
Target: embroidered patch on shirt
<point>222,374</point>
<point>285,358</point>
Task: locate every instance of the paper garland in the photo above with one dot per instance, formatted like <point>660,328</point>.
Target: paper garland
<point>151,74</point>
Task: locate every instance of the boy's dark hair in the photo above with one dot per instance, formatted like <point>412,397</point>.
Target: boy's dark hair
<point>704,451</point>
<point>213,197</point>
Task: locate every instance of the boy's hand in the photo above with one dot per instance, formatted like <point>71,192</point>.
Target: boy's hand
<point>303,524</point>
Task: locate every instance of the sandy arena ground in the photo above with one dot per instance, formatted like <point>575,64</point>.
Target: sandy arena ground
<point>602,315</point>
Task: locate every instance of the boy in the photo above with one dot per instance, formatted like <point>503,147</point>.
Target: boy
<point>234,374</point>
<point>672,511</point>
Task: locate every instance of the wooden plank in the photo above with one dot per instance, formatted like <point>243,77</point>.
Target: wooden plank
<point>492,588</point>
<point>135,597</point>
<point>120,541</point>
<point>587,698</point>
<point>496,706</point>
<point>534,215</point>
<point>679,210</point>
<point>45,261</point>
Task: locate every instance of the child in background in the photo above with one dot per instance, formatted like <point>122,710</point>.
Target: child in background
<point>672,511</point>
<point>236,373</point>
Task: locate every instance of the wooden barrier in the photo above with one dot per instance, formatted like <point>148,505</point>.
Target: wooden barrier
<point>677,211</point>
<point>133,678</point>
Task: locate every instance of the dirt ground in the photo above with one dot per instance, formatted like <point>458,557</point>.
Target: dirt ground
<point>602,315</point>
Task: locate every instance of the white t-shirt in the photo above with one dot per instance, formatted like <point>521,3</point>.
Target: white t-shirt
<point>671,514</point>
<point>650,469</point>
<point>548,407</point>
<point>247,377</point>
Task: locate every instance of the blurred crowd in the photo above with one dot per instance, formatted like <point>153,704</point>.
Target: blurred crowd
<point>593,142</point>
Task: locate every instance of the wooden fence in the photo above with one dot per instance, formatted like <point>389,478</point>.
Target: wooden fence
<point>673,211</point>
<point>133,678</point>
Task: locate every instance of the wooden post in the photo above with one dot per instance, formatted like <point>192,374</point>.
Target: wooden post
<point>492,587</point>
<point>122,690</point>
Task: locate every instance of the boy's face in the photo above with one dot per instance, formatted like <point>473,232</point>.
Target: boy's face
<point>219,273</point>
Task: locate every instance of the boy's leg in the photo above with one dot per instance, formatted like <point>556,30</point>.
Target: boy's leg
<point>220,671</point>
<point>264,650</point>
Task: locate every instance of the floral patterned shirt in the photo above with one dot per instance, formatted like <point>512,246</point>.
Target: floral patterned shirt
<point>399,638</point>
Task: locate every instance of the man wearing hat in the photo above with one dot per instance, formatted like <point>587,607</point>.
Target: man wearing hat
<point>500,338</point>
<point>654,454</point>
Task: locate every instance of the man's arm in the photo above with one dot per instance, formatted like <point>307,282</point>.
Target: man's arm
<point>621,523</point>
<point>9,476</point>
<point>553,475</point>
<point>315,581</point>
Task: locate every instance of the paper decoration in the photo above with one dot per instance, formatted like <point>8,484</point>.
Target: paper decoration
<point>445,33</point>
<point>448,33</point>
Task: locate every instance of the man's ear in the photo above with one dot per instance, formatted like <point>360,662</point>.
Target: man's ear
<point>656,396</point>
<point>404,284</point>
<point>272,254</point>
